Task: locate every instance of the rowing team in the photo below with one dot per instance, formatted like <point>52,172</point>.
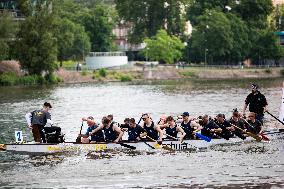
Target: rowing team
<point>183,126</point>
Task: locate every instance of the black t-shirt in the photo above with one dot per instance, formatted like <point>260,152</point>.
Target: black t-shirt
<point>39,117</point>
<point>133,133</point>
<point>256,102</point>
<point>254,127</point>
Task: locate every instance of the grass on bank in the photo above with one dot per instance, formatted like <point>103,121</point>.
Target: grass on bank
<point>11,79</point>
<point>124,76</point>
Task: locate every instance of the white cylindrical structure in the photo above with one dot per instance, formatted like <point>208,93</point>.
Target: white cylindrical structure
<point>97,60</point>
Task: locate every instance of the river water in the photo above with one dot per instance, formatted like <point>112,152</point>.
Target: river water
<point>244,165</point>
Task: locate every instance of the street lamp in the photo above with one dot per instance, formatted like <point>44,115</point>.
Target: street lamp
<point>205,56</point>
<point>205,48</point>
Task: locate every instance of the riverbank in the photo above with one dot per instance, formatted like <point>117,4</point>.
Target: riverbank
<point>167,73</point>
<point>138,73</point>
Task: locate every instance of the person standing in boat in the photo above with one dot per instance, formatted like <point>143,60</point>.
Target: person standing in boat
<point>253,125</point>
<point>257,103</point>
<point>152,131</point>
<point>36,121</point>
<point>96,135</point>
<point>134,131</point>
<point>172,129</point>
<point>209,127</point>
<point>189,126</point>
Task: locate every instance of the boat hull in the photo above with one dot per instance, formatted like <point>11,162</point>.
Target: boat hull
<point>167,144</point>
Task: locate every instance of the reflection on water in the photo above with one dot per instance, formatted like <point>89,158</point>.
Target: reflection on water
<point>243,165</point>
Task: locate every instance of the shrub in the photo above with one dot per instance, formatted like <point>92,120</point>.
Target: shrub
<point>125,77</point>
<point>282,72</point>
<point>84,73</point>
<point>8,79</point>
<point>10,67</point>
<point>51,78</point>
<point>267,71</point>
<point>103,72</point>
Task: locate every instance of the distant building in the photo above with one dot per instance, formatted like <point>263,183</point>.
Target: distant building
<point>13,7</point>
<point>277,2</point>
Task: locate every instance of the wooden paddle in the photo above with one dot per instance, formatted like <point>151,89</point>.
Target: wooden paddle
<point>274,117</point>
<point>256,137</point>
<point>78,140</point>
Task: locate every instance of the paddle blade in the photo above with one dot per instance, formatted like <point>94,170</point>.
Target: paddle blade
<point>264,137</point>
<point>256,137</point>
<point>207,139</point>
<point>128,146</point>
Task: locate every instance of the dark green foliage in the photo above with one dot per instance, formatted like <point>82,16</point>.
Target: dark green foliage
<point>125,78</point>
<point>150,16</point>
<point>8,29</point>
<point>10,79</point>
<point>37,48</point>
<point>232,31</point>
<point>103,72</point>
<point>282,72</point>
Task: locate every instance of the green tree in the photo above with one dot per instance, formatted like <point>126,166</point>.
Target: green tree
<point>149,16</point>
<point>163,48</point>
<point>72,40</point>
<point>37,48</point>
<point>98,24</point>
<point>213,36</point>
<point>8,29</point>
<point>255,12</point>
<point>240,35</point>
<point>199,7</point>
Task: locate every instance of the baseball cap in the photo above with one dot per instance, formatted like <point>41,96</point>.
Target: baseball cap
<point>254,86</point>
<point>185,114</point>
<point>47,104</point>
<point>91,117</point>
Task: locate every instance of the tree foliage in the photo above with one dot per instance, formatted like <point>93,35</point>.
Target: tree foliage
<point>232,31</point>
<point>149,16</point>
<point>8,29</point>
<point>163,48</point>
<point>37,48</point>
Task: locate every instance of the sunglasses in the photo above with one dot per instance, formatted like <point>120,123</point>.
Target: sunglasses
<point>144,118</point>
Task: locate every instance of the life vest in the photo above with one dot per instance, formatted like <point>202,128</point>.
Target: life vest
<point>151,132</point>
<point>98,136</point>
<point>133,133</point>
<point>187,129</point>
<point>110,134</point>
<point>172,131</point>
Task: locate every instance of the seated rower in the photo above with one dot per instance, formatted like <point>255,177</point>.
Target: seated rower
<point>225,126</point>
<point>209,127</point>
<point>96,135</point>
<point>254,126</point>
<point>152,131</point>
<point>190,127</point>
<point>111,130</point>
<point>134,131</point>
<point>172,129</point>
<point>236,121</point>
<point>125,124</point>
